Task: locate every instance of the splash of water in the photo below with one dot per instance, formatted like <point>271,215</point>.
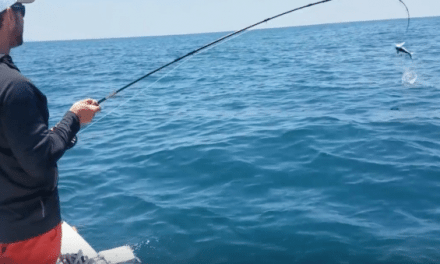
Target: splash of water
<point>409,77</point>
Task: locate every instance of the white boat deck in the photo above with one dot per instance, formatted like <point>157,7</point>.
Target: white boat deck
<point>72,243</point>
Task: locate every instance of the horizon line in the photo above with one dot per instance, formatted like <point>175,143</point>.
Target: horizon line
<point>227,31</point>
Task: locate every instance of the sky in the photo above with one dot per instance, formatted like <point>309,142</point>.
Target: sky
<point>96,19</point>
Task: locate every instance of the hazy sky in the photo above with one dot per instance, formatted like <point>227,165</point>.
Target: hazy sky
<point>91,19</point>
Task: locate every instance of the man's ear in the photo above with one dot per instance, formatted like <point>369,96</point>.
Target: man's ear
<point>10,18</point>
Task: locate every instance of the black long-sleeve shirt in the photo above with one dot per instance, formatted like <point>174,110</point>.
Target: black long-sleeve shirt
<point>29,151</point>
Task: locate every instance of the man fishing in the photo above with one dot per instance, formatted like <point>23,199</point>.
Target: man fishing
<point>30,219</point>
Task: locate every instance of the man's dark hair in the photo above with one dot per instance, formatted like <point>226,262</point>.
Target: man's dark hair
<point>1,18</point>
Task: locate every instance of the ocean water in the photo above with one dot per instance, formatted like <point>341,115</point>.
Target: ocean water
<point>311,144</point>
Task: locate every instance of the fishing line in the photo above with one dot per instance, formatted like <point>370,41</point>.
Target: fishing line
<point>185,58</point>
<point>409,17</point>
<point>221,40</point>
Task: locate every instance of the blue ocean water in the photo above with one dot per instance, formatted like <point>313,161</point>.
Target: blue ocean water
<point>295,145</point>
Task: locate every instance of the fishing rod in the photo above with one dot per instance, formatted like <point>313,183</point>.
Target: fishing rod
<point>218,41</point>
<point>206,46</point>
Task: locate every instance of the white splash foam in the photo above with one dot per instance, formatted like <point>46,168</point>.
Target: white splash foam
<point>409,77</point>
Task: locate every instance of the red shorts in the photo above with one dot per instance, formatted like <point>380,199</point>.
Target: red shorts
<point>43,249</point>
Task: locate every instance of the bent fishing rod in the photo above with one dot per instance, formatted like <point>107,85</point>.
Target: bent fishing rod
<point>218,41</point>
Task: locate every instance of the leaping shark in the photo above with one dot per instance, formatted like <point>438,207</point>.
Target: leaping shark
<point>400,48</point>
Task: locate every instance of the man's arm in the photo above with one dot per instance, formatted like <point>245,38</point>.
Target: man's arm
<point>36,148</point>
